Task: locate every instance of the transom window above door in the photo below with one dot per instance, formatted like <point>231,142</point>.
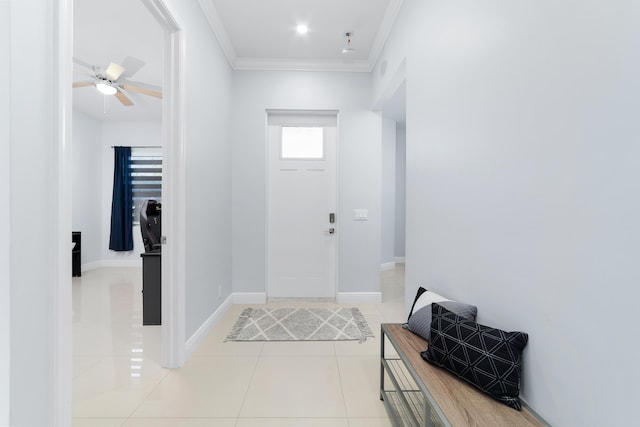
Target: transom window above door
<point>302,143</point>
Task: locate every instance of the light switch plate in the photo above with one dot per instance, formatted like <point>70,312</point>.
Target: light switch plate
<point>361,215</point>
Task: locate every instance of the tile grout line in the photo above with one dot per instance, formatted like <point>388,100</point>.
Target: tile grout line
<point>167,373</point>
<point>246,392</point>
<point>344,400</point>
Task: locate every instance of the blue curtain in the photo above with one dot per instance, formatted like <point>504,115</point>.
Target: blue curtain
<point>121,238</point>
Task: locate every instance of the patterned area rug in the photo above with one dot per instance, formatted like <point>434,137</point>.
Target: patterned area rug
<point>300,324</point>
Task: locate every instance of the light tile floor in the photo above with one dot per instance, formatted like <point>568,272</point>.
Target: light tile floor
<point>118,380</point>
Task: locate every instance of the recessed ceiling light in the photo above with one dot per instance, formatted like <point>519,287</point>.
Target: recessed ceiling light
<point>302,29</point>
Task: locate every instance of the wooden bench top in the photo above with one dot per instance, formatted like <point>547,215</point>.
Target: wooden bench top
<point>462,404</point>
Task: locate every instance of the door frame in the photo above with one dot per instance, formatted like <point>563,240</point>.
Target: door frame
<point>173,274</point>
<point>62,350</point>
<point>309,113</point>
<point>173,188</point>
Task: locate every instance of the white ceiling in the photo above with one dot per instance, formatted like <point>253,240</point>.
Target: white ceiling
<point>254,34</point>
<point>258,34</point>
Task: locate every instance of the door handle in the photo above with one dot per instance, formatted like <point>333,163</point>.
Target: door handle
<point>331,231</point>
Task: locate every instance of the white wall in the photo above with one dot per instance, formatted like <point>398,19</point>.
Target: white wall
<point>123,134</point>
<point>522,183</point>
<point>208,169</point>
<point>5,228</point>
<point>32,204</point>
<point>359,151</point>
<point>388,200</point>
<point>401,172</point>
<point>86,194</point>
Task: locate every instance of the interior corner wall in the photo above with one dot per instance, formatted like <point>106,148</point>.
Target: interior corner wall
<point>522,184</point>
<point>86,193</point>
<point>359,160</point>
<point>120,133</point>
<point>5,218</point>
<point>208,101</point>
<point>388,188</point>
<point>400,202</point>
<point>32,187</point>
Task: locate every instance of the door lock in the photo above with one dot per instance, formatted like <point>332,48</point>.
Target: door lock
<point>331,231</point>
<point>332,218</point>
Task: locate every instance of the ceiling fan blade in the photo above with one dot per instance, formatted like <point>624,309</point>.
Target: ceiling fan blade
<point>114,71</point>
<point>81,63</point>
<point>83,67</point>
<point>83,84</point>
<point>144,91</point>
<point>132,66</point>
<point>123,99</point>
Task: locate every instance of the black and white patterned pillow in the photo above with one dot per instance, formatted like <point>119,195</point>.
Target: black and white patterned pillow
<point>419,321</point>
<point>423,298</point>
<point>488,358</point>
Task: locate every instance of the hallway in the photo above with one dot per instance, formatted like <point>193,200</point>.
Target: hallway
<point>118,379</point>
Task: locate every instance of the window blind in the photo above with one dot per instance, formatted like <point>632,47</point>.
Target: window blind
<point>146,177</point>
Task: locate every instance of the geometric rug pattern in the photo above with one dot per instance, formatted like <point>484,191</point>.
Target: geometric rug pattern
<point>300,324</point>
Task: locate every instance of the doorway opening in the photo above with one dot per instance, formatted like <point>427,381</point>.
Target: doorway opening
<point>393,107</point>
<point>173,190</point>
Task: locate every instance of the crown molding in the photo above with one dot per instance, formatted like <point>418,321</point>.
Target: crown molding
<point>288,64</point>
<point>284,64</point>
<point>393,9</point>
<point>216,24</point>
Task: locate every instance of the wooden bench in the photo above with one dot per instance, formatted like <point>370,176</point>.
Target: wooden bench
<point>416,393</point>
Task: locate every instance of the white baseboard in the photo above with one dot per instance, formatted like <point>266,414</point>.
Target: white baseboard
<point>359,298</point>
<point>387,266</point>
<point>111,263</point>
<point>194,341</point>
<point>90,266</point>
<point>250,298</point>
<point>399,260</point>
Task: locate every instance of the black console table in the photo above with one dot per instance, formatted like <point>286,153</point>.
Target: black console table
<point>151,288</point>
<point>76,258</point>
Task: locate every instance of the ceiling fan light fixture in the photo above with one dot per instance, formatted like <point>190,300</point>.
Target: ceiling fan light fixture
<point>106,89</point>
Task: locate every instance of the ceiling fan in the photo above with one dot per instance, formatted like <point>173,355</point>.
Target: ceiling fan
<point>112,81</point>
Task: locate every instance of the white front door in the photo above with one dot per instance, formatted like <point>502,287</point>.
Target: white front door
<point>301,208</point>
